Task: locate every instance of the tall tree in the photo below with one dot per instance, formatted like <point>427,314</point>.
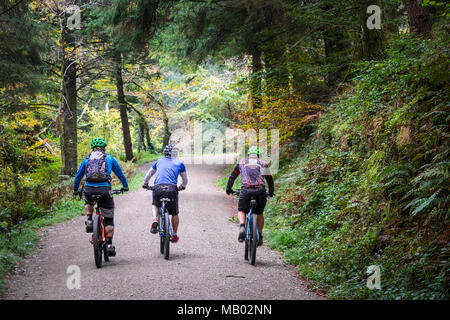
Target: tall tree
<point>255,78</point>
<point>122,106</point>
<point>273,38</point>
<point>20,59</point>
<point>68,109</point>
<point>129,26</point>
<point>372,38</point>
<point>418,19</point>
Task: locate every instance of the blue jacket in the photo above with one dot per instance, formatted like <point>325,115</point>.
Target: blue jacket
<point>112,165</point>
<point>167,170</point>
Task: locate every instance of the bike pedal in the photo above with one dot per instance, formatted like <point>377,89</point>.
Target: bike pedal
<point>89,227</point>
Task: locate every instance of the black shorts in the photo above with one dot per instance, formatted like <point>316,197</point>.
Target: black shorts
<point>166,191</point>
<point>246,195</point>
<point>105,203</point>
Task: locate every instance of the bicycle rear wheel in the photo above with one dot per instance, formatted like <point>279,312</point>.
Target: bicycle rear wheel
<point>105,254</point>
<point>253,240</point>
<point>246,240</point>
<point>98,241</point>
<point>166,235</point>
<point>161,233</point>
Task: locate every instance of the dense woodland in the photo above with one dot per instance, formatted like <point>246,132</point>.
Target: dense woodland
<point>363,115</point>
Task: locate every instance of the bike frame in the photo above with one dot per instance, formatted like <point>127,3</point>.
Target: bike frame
<point>249,221</point>
<point>251,242</point>
<point>165,239</point>
<point>162,218</point>
<point>97,212</point>
<point>100,245</point>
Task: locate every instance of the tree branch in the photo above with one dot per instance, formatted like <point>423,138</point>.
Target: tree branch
<point>15,5</point>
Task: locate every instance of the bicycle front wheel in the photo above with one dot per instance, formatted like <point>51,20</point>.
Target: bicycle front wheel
<point>98,241</point>
<point>246,239</point>
<point>166,235</point>
<point>253,240</point>
<point>161,233</point>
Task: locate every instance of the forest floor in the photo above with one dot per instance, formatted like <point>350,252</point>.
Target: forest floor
<point>207,262</point>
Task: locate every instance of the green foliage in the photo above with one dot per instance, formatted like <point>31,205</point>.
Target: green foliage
<point>372,185</point>
<point>20,240</point>
<point>20,59</point>
<point>221,183</point>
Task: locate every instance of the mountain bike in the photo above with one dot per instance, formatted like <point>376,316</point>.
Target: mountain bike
<point>251,230</point>
<point>165,227</point>
<point>98,239</point>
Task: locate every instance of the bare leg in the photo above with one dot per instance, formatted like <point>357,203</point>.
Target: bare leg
<point>260,222</point>
<point>155,212</point>
<point>109,231</point>
<point>175,222</point>
<point>89,209</point>
<point>241,217</point>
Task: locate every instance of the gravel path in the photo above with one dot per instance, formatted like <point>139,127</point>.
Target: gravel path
<point>207,262</point>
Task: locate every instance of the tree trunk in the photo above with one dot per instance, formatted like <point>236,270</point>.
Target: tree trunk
<point>144,141</point>
<point>123,107</point>
<point>373,39</point>
<point>255,80</point>
<point>141,136</point>
<point>68,114</point>
<point>144,131</point>
<point>391,15</point>
<point>150,146</point>
<point>274,53</point>
<point>418,19</point>
<point>335,54</point>
<point>166,136</point>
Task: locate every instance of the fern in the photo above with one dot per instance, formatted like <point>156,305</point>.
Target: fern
<point>430,189</point>
<point>425,203</point>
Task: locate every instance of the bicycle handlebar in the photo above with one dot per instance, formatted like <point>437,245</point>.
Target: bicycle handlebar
<point>238,191</point>
<point>180,187</point>
<point>115,191</point>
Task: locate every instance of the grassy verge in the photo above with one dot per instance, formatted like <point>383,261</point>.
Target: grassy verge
<point>222,182</point>
<point>371,186</point>
<point>21,239</point>
<point>144,157</point>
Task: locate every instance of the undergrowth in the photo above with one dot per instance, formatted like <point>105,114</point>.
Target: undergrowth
<point>371,185</point>
<point>52,204</point>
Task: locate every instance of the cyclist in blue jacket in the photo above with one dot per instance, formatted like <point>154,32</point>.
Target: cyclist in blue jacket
<point>98,167</point>
<point>167,170</point>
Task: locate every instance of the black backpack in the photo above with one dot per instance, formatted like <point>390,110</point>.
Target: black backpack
<point>97,168</point>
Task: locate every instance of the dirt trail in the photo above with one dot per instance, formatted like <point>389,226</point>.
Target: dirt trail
<point>207,262</point>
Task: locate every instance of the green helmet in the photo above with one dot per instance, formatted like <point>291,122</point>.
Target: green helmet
<point>254,150</point>
<point>98,143</point>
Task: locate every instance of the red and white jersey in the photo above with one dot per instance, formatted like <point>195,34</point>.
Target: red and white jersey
<point>253,171</point>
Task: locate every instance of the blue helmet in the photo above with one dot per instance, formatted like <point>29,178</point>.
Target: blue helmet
<point>168,150</point>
